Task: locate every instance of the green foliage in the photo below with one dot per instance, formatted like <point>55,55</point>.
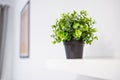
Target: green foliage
<point>74,26</point>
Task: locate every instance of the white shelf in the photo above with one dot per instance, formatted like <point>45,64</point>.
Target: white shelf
<point>101,68</point>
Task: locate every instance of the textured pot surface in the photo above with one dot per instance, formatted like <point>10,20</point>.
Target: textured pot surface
<point>74,49</point>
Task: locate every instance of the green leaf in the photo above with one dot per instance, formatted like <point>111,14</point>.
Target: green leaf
<point>81,26</point>
<point>54,42</point>
<point>53,26</point>
<point>83,12</point>
<point>86,28</point>
<point>96,37</point>
<point>62,25</point>
<point>74,13</point>
<point>77,34</point>
<point>94,30</point>
<point>75,25</point>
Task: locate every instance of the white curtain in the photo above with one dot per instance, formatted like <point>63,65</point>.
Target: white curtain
<point>3,27</point>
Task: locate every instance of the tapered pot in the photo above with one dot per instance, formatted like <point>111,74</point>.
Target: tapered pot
<point>74,49</point>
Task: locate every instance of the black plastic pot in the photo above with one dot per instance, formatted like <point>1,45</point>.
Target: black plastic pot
<point>74,49</point>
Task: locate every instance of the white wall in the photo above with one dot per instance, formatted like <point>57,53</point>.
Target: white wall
<point>9,43</point>
<point>43,15</point>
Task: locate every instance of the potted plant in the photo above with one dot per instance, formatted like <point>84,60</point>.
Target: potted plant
<point>74,30</point>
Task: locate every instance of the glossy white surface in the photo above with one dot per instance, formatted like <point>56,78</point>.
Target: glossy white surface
<point>100,68</point>
<point>64,75</point>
